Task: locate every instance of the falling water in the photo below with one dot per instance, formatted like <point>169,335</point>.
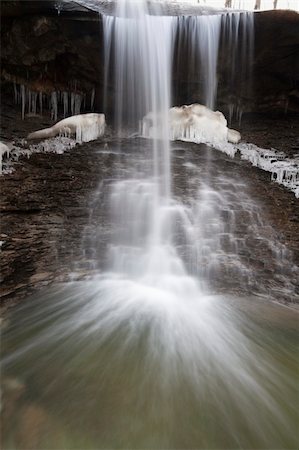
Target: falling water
<point>142,46</point>
<point>198,37</point>
<point>238,46</point>
<point>197,43</point>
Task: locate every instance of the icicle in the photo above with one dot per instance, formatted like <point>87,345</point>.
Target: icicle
<point>29,101</point>
<point>15,92</point>
<point>40,95</point>
<point>72,103</point>
<point>77,103</point>
<point>23,96</point>
<point>54,106</point>
<point>92,129</point>
<point>33,102</point>
<point>92,97</point>
<point>283,170</point>
<point>239,113</point>
<point>65,104</point>
<point>231,108</point>
<point>58,7</point>
<point>286,106</point>
<point>79,134</point>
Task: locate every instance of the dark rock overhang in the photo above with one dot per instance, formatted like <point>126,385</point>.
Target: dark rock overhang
<point>45,48</point>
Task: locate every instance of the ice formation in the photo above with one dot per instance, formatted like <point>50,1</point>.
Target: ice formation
<point>194,123</point>
<point>32,102</point>
<point>197,123</point>
<point>92,97</point>
<point>54,106</point>
<point>283,170</point>
<point>54,145</point>
<point>86,127</point>
<point>4,151</point>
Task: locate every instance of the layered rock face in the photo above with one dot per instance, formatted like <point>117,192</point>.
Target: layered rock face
<point>60,52</point>
<point>52,54</point>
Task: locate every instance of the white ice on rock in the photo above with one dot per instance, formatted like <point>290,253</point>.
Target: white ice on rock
<point>197,123</point>
<point>57,139</point>
<point>283,170</point>
<point>194,123</point>
<point>56,145</point>
<point>86,128</point>
<point>4,152</point>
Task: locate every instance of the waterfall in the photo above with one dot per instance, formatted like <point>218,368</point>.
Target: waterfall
<point>197,56</point>
<point>238,46</point>
<point>142,49</point>
<point>149,352</point>
<point>198,37</point>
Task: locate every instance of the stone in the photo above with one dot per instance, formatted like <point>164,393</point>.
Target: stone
<point>38,277</point>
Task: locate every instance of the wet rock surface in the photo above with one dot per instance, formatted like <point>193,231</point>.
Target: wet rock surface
<point>280,131</point>
<point>44,210</point>
<point>55,219</point>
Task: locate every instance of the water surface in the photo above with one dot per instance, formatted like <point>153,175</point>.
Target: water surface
<point>109,363</point>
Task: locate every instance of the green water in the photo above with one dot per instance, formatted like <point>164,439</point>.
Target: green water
<point>223,377</point>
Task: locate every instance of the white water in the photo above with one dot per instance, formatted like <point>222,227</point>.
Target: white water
<point>143,254</point>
